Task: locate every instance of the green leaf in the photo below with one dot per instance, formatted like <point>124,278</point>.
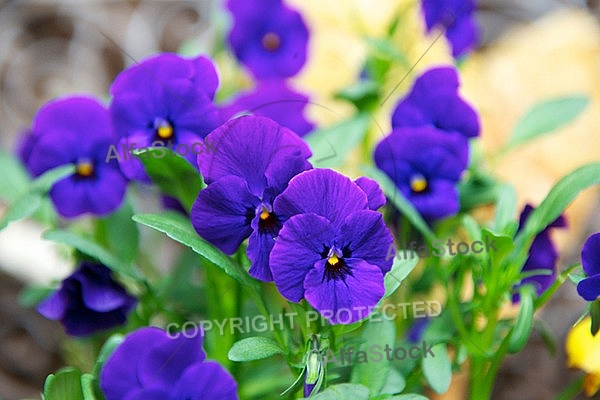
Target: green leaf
<point>395,382</point>
<point>408,397</point>
<point>331,146</point>
<point>14,180</point>
<point>92,249</point>
<point>386,49</point>
<point>65,384</point>
<point>179,228</point>
<point>345,391</point>
<point>254,348</point>
<point>524,324</point>
<point>400,202</point>
<point>546,117</point>
<point>120,233</point>
<point>173,174</point>
<point>400,270</point>
<point>107,349</point>
<point>438,370</point>
<point>360,93</point>
<point>29,202</point>
<point>502,243</point>
<point>90,388</point>
<point>374,374</point>
<point>506,207</point>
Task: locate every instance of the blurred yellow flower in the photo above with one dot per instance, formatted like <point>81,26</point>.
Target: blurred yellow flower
<point>583,352</point>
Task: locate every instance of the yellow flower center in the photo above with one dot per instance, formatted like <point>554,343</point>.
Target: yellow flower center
<point>84,168</point>
<point>271,41</point>
<point>264,215</point>
<point>333,260</point>
<point>418,183</point>
<point>165,131</point>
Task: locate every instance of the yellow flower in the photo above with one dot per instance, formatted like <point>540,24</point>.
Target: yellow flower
<point>583,352</point>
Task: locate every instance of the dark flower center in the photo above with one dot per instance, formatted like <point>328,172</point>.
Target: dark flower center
<point>271,41</point>
<point>418,183</point>
<point>84,168</point>
<point>163,129</point>
<point>336,267</point>
<point>267,220</point>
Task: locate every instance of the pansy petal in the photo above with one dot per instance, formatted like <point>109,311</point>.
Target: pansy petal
<point>207,380</point>
<point>54,306</point>
<point>589,288</point>
<point>375,196</point>
<point>259,249</point>
<point>246,147</point>
<point>590,255</point>
<point>299,245</point>
<point>365,235</point>
<point>344,300</point>
<point>440,200</point>
<point>223,211</point>
<point>99,292</point>
<point>332,195</point>
<point>165,360</point>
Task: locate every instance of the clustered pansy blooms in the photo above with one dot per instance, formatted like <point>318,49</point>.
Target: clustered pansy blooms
<point>260,223</point>
<point>150,364</point>
<point>456,18</point>
<point>88,301</point>
<point>427,151</point>
<point>256,159</point>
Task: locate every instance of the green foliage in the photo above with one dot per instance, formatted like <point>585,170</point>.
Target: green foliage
<point>254,348</point>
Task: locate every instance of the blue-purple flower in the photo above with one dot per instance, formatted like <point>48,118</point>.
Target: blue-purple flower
<point>268,37</point>
<point>456,17</point>
<point>76,130</point>
<point>425,164</point>
<point>434,101</point>
<point>165,101</point>
<point>542,254</point>
<point>332,249</point>
<point>274,99</point>
<point>589,288</point>
<point>254,161</point>
<point>89,300</point>
<point>151,365</point>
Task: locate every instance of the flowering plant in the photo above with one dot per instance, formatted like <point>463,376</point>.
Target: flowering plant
<point>307,259</point>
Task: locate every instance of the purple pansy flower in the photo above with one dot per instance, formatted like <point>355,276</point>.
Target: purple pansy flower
<point>434,101</point>
<point>152,365</point>
<point>542,254</point>
<point>88,300</point>
<point>274,99</point>
<point>425,164</point>
<point>254,161</point>
<point>167,101</point>
<point>589,288</point>
<point>77,130</point>
<point>456,16</point>
<point>332,249</point>
<point>268,37</point>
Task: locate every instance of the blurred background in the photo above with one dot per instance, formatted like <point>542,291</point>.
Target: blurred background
<point>530,50</point>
